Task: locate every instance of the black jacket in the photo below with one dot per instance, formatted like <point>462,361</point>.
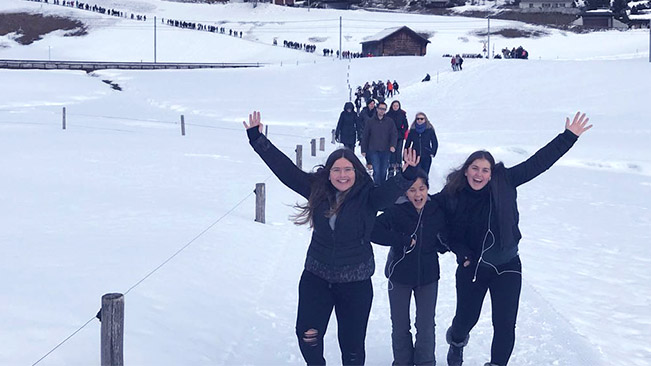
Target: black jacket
<point>395,226</point>
<point>346,131</point>
<point>349,243</point>
<point>424,143</point>
<point>379,135</point>
<point>364,116</point>
<point>399,117</point>
<point>503,193</point>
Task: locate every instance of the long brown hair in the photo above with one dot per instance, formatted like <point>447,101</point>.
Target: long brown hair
<point>323,190</point>
<point>457,179</point>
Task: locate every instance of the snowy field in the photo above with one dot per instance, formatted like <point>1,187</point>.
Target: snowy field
<point>96,208</point>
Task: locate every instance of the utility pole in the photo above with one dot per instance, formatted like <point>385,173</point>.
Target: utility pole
<point>488,47</point>
<point>155,39</point>
<point>340,38</point>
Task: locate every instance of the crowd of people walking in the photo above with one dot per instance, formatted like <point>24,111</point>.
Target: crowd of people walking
<point>515,53</point>
<point>94,8</point>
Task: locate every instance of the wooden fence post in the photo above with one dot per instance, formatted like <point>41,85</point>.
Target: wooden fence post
<point>266,130</point>
<point>313,145</point>
<point>64,118</point>
<point>299,156</point>
<point>333,136</point>
<point>260,197</point>
<point>112,331</point>
<point>322,144</point>
<point>182,125</point>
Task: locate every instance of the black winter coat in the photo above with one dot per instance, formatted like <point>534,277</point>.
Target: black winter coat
<point>400,119</point>
<point>349,243</point>
<point>395,226</point>
<point>364,116</point>
<point>503,184</point>
<point>346,131</point>
<point>424,143</point>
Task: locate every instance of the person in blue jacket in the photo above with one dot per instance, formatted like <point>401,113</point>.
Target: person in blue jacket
<point>342,204</point>
<point>482,217</point>
<point>414,228</point>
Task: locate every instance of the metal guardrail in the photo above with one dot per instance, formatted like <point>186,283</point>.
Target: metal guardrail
<point>100,65</point>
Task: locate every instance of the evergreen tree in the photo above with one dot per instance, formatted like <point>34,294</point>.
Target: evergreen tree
<point>619,6</point>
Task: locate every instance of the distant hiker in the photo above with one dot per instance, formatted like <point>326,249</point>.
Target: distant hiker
<point>453,63</point>
<point>459,62</point>
<point>413,228</point>
<point>342,204</point>
<point>389,89</point>
<point>480,205</point>
<point>346,131</point>
<point>427,78</point>
<point>395,87</point>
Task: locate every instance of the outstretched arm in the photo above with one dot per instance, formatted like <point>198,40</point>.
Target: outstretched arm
<point>288,173</point>
<point>544,158</point>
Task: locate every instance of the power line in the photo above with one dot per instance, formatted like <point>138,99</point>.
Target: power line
<point>65,340</point>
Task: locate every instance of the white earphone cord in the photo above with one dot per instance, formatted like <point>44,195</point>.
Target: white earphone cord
<point>483,244</point>
<point>392,267</point>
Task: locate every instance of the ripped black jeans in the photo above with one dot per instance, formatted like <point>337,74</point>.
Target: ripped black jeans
<point>352,304</point>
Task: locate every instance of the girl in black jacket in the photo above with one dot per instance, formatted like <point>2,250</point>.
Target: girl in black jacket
<point>412,227</point>
<point>346,131</point>
<point>481,208</point>
<point>422,138</point>
<point>399,117</point>
<point>342,204</point>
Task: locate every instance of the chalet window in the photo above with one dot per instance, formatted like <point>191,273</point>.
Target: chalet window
<point>530,5</point>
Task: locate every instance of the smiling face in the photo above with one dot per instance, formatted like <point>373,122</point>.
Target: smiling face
<point>417,194</point>
<point>342,174</point>
<point>478,174</point>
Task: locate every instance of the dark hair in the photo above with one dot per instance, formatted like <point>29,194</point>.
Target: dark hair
<point>394,102</point>
<point>457,179</point>
<point>323,190</point>
<point>379,104</point>
<point>422,174</point>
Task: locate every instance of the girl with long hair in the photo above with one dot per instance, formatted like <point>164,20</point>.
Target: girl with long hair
<point>482,213</point>
<point>342,204</point>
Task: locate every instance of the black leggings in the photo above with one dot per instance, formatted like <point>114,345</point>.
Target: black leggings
<point>505,297</point>
<point>352,304</point>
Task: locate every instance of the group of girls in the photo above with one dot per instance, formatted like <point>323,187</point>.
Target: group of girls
<point>475,216</point>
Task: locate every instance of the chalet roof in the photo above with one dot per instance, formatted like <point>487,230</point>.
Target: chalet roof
<point>389,31</point>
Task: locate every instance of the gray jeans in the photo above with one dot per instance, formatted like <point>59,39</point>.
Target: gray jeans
<point>404,351</point>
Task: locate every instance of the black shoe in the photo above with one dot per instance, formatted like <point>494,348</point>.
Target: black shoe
<point>455,353</point>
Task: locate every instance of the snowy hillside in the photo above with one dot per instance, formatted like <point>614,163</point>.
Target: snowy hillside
<point>96,208</point>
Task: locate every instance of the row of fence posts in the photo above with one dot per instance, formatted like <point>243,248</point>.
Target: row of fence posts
<point>260,192</point>
<point>111,314</point>
<point>63,122</point>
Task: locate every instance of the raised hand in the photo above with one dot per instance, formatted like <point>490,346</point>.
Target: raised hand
<point>254,120</point>
<point>411,158</point>
<point>578,125</point>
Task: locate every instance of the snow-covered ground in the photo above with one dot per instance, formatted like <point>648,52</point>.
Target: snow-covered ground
<point>95,208</point>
